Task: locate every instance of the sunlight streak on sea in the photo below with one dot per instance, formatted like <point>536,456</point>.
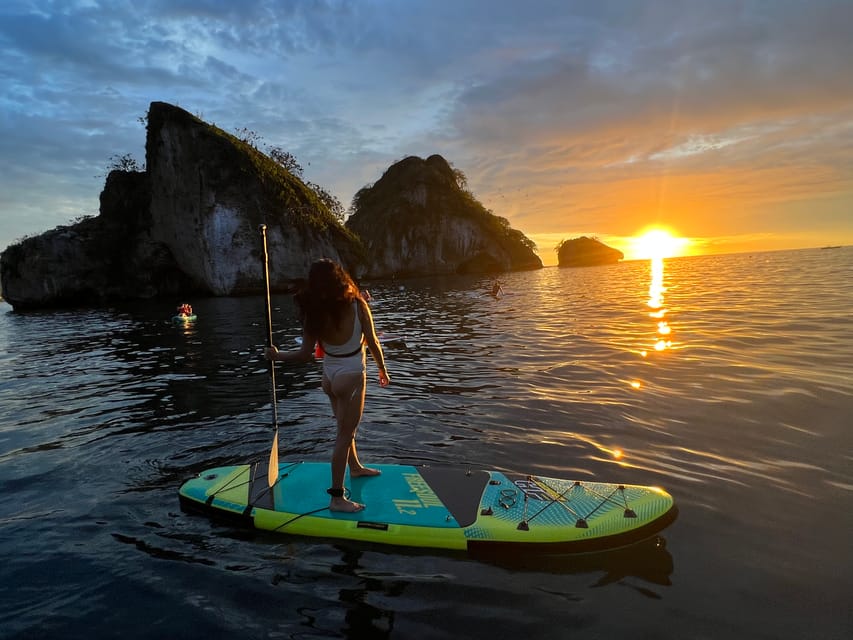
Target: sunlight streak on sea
<point>726,380</point>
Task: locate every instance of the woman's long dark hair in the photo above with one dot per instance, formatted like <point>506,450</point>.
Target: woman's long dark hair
<point>326,296</point>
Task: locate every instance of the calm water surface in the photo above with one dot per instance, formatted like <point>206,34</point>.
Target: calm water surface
<point>728,380</point>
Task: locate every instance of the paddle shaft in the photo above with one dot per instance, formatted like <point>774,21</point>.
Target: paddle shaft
<point>267,285</point>
<point>272,471</point>
<point>269,323</point>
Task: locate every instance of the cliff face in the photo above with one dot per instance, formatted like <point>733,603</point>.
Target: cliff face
<point>419,220</point>
<point>188,224</point>
<point>209,195</point>
<point>97,259</point>
<point>586,252</point>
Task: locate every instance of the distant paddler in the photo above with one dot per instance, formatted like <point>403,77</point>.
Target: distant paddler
<point>184,313</point>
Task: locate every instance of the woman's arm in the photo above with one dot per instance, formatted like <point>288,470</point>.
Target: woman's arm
<point>366,318</point>
<point>305,352</point>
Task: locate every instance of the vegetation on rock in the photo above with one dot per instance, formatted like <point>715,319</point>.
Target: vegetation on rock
<point>409,217</point>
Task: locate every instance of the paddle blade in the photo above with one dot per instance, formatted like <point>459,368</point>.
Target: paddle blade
<point>272,474</point>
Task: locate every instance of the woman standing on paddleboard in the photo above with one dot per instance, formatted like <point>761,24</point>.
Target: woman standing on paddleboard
<point>335,316</point>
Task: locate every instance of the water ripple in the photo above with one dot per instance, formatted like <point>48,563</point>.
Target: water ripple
<point>725,379</point>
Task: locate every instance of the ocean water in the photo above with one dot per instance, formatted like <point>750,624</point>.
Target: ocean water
<point>728,380</point>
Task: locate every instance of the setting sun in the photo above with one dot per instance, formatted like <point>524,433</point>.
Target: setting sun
<point>657,243</point>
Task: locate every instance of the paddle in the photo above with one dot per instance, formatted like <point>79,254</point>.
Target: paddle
<point>272,473</point>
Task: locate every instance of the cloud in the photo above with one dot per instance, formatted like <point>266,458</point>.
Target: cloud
<point>722,117</point>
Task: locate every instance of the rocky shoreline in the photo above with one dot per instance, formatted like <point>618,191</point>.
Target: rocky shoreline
<point>188,225</point>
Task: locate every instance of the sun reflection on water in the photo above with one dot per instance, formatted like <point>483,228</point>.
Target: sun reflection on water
<point>657,310</point>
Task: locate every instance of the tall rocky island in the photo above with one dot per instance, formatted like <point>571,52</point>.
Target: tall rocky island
<point>189,224</point>
<point>419,219</point>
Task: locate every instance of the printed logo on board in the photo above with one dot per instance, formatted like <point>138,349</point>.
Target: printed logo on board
<point>424,496</point>
<point>533,490</point>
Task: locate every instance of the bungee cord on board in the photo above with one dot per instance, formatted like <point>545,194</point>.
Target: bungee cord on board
<point>507,499</point>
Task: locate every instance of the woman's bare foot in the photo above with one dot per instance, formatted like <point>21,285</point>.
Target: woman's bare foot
<point>345,506</point>
<point>364,472</point>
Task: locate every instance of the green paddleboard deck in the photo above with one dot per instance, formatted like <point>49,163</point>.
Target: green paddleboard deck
<point>436,507</point>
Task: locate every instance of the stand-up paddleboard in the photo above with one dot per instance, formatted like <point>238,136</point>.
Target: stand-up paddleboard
<point>389,339</point>
<point>479,511</point>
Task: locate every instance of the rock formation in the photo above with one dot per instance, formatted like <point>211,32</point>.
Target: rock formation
<point>189,223</point>
<point>97,259</point>
<point>586,252</point>
<point>418,219</point>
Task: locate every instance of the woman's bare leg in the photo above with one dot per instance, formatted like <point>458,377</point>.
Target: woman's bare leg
<point>327,387</point>
<point>346,394</point>
<point>356,469</point>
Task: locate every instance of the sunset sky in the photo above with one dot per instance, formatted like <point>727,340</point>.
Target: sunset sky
<point>730,123</point>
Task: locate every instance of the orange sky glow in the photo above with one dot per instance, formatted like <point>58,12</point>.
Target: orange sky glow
<point>721,212</point>
<point>728,124</point>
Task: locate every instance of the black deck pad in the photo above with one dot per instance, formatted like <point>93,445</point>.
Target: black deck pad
<point>459,489</point>
<point>260,494</point>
